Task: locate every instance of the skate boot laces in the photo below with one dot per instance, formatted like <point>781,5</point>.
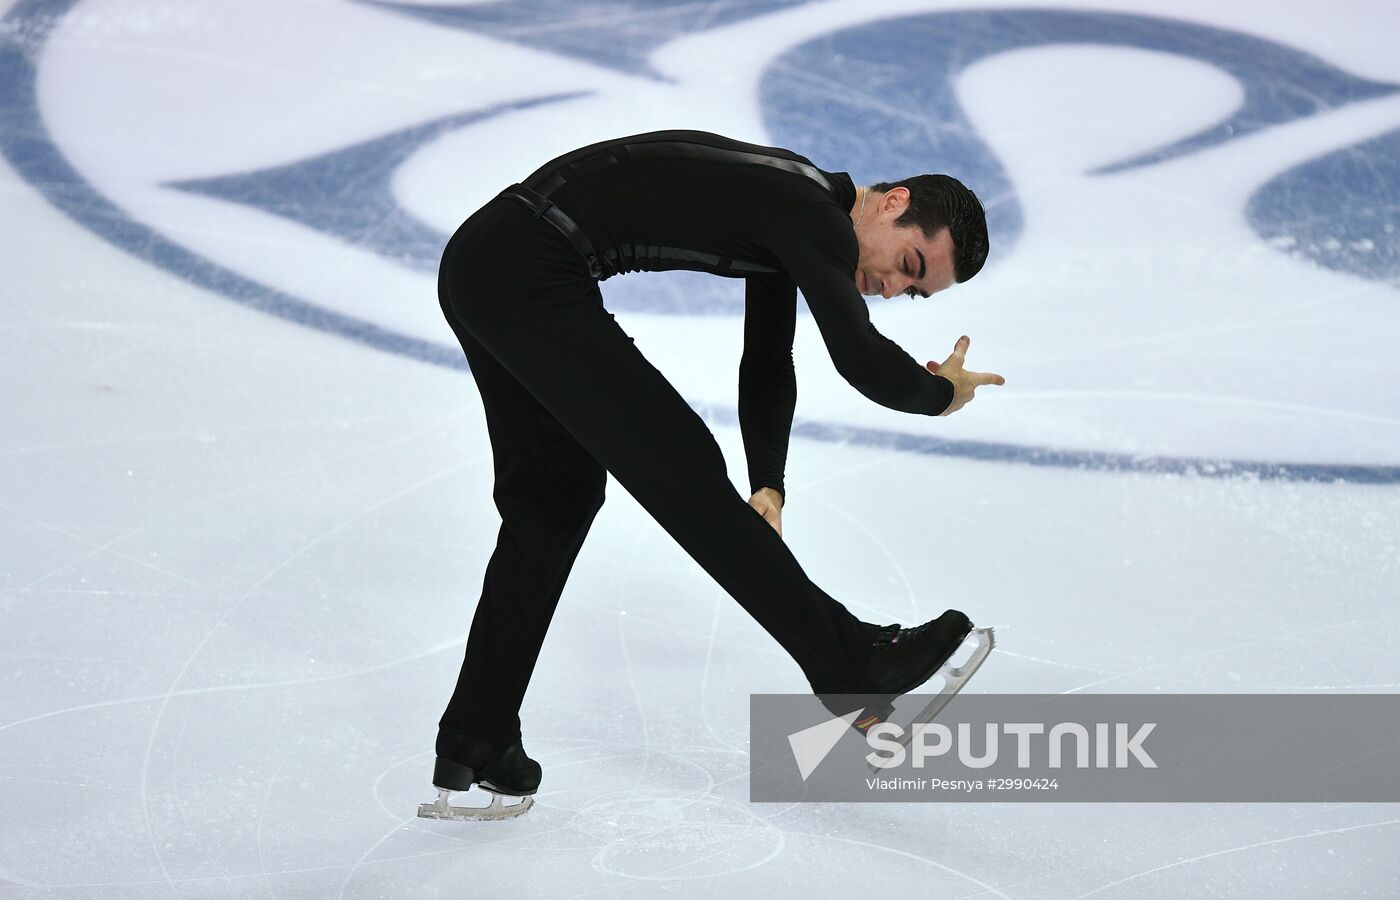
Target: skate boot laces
<point>892,635</point>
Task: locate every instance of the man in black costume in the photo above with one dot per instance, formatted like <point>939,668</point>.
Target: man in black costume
<point>568,397</point>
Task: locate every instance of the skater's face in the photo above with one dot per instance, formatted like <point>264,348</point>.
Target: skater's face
<point>899,259</point>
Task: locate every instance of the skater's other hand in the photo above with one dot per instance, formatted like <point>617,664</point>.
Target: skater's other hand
<point>965,382</point>
<point>769,504</point>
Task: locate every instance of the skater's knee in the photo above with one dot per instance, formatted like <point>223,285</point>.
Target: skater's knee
<point>589,493</point>
<point>561,504</point>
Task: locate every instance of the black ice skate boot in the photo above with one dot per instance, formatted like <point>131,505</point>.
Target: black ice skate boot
<point>510,771</point>
<point>459,756</point>
<point>903,659</point>
<point>463,761</point>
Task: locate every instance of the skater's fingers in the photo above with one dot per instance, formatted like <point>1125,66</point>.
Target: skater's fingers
<point>956,359</point>
<point>931,366</point>
<point>981,378</point>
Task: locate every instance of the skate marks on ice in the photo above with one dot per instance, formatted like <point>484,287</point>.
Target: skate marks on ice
<point>306,547</point>
<point>890,560</point>
<point>661,835</point>
<point>689,820</point>
<point>878,850</point>
<point>1243,848</point>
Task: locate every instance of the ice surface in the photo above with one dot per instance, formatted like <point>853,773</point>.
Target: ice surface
<point>245,480</point>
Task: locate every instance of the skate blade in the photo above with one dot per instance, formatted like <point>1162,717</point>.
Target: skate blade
<point>954,677</point>
<point>442,809</point>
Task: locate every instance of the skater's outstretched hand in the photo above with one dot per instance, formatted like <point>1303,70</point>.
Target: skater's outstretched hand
<point>769,504</point>
<point>965,383</point>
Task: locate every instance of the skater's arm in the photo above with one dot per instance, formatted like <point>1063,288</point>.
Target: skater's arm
<point>821,257</point>
<point>767,382</point>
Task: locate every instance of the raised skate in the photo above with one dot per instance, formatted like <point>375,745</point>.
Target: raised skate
<point>954,677</point>
<point>906,658</point>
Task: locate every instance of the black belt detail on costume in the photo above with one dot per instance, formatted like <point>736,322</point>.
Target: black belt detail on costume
<point>545,209</point>
<point>632,253</point>
<point>683,150</point>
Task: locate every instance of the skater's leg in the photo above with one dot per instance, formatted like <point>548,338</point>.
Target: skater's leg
<point>570,353</point>
<point>548,490</point>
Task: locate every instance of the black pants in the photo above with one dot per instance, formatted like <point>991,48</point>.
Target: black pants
<point>568,397</point>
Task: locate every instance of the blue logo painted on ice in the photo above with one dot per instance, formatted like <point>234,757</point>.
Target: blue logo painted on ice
<point>345,199</point>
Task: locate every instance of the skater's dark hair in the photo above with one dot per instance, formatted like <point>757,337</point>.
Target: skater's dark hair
<point>941,201</point>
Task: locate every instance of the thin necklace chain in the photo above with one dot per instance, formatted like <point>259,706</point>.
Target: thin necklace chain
<point>860,216</point>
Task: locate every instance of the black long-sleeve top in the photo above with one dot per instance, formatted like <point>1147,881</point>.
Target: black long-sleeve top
<point>701,201</point>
